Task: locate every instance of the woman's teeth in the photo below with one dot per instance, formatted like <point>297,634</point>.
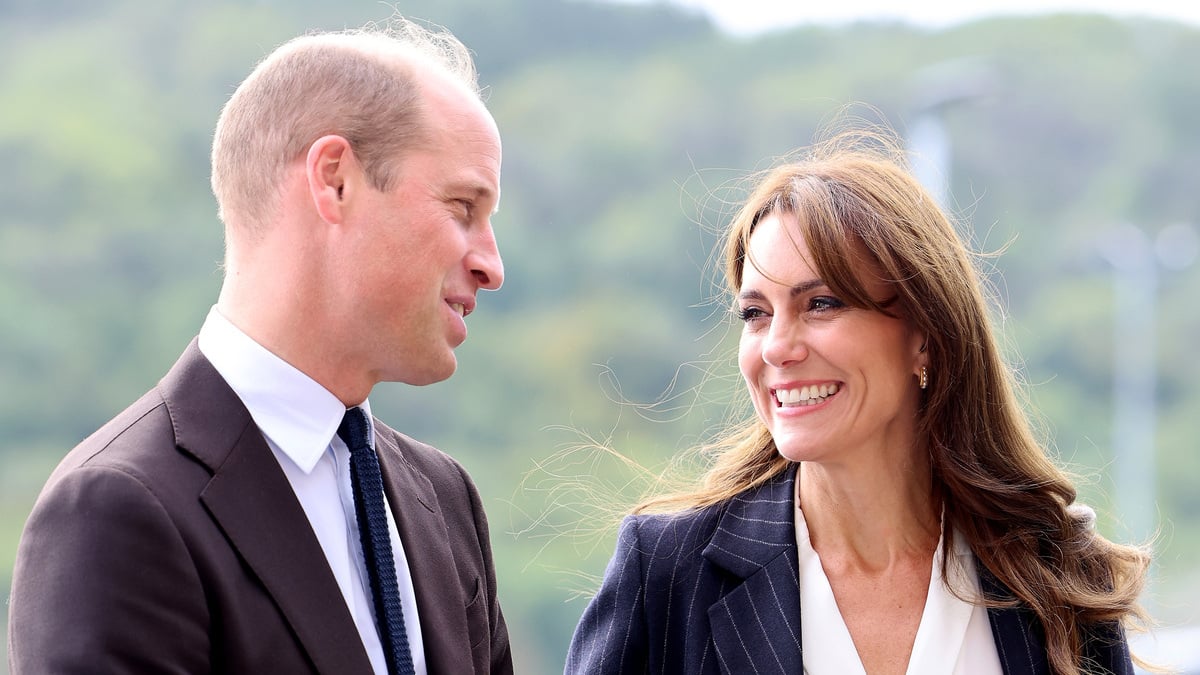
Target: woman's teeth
<point>807,395</point>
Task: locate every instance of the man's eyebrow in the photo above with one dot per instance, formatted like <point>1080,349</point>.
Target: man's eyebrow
<point>479,192</point>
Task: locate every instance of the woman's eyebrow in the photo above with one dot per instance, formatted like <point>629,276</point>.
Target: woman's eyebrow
<point>799,289</point>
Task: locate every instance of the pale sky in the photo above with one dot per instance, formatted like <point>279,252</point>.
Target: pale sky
<point>753,16</point>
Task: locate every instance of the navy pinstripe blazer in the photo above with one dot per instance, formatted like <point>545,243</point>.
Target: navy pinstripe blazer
<point>716,591</point>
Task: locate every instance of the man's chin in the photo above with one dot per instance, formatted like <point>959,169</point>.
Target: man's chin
<point>430,374</point>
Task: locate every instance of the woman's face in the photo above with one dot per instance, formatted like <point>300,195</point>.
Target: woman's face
<point>831,382</point>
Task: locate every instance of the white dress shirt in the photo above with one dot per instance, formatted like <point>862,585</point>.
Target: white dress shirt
<point>954,637</point>
<point>299,419</point>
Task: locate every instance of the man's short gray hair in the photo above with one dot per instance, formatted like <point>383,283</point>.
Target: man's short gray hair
<point>361,84</point>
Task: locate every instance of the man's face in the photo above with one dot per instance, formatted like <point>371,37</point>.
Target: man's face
<point>427,245</point>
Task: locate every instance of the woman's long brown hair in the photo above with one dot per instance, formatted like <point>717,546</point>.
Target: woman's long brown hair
<point>1000,489</point>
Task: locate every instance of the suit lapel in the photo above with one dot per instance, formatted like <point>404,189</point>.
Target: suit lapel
<point>756,623</point>
<point>1019,640</point>
<point>252,502</point>
<point>430,559</point>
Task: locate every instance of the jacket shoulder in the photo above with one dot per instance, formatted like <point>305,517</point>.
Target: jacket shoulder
<point>423,456</point>
<point>666,541</point>
<point>131,441</point>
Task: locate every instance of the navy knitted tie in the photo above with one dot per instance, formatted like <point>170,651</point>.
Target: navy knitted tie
<point>376,543</point>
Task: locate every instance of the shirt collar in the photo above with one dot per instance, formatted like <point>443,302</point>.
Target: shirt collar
<point>298,415</point>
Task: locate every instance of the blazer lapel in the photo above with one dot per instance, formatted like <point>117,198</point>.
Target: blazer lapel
<point>756,623</point>
<point>1019,639</point>
<point>430,559</point>
<point>251,500</point>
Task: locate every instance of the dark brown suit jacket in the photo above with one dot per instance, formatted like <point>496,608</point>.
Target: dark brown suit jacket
<point>170,541</point>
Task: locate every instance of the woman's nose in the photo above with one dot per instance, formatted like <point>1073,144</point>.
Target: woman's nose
<point>784,343</point>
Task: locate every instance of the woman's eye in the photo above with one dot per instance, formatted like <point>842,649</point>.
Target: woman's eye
<point>748,314</point>
<point>824,303</point>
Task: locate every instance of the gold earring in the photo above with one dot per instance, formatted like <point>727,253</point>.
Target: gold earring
<point>924,377</point>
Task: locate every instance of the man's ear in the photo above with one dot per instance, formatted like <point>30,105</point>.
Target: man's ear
<point>330,168</point>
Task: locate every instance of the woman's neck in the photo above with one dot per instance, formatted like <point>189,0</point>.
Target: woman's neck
<point>869,516</point>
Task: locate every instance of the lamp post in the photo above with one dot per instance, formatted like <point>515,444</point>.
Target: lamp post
<point>1134,375</point>
<point>1136,260</point>
<point>936,89</point>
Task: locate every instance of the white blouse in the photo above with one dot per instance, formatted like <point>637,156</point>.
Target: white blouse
<point>954,637</point>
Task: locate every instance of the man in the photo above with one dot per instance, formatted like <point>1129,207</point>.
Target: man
<point>221,523</point>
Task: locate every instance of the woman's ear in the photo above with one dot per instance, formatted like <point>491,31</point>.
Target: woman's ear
<point>329,168</point>
<point>921,343</point>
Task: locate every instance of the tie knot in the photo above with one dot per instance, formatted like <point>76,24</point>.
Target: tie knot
<point>354,430</point>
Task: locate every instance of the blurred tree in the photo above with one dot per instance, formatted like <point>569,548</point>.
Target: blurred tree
<point>628,130</point>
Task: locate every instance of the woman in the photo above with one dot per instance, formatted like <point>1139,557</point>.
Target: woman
<point>888,509</point>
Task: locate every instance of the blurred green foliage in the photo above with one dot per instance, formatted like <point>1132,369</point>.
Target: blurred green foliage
<point>626,129</point>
